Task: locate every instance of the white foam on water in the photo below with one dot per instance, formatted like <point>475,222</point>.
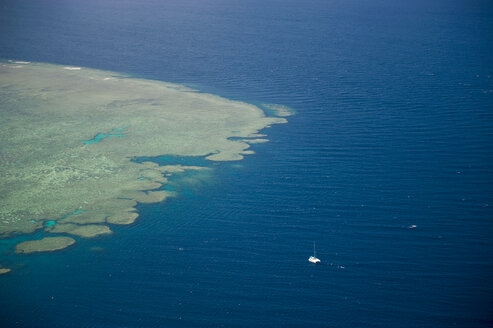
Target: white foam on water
<point>18,61</point>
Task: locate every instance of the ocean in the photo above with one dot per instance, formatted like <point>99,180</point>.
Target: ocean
<point>387,165</point>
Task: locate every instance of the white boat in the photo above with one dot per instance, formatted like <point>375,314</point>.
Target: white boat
<point>314,259</point>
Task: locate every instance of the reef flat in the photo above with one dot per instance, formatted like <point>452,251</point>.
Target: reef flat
<point>70,136</point>
<point>5,270</point>
<point>47,244</point>
<point>87,230</point>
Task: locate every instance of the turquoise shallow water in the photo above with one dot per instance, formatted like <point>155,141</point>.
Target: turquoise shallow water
<point>117,132</point>
<point>393,129</point>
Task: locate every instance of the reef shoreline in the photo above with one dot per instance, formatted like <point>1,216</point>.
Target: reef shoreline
<point>71,135</point>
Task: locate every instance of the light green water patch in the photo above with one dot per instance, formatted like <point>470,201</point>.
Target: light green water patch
<point>170,187</point>
<point>76,212</point>
<point>47,171</point>
<point>278,110</point>
<point>118,132</point>
<point>190,182</point>
<point>50,223</point>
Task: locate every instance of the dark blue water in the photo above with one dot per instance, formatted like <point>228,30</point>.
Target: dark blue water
<point>393,128</point>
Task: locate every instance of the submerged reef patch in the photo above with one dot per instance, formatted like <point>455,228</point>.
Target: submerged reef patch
<point>4,270</point>
<point>69,137</point>
<point>87,231</point>
<point>47,244</point>
<point>123,218</point>
<point>279,110</point>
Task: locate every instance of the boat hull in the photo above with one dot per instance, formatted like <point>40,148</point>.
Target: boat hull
<point>313,259</point>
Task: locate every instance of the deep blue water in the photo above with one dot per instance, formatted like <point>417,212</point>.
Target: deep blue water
<point>394,128</point>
